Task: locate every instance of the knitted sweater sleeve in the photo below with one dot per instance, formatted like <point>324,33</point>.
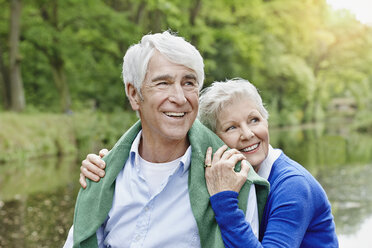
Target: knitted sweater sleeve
<point>235,230</point>
<point>290,212</point>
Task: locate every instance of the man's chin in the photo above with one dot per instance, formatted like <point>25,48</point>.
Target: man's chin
<point>176,132</point>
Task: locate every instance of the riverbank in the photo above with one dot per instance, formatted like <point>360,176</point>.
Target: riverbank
<point>28,136</point>
<point>35,135</point>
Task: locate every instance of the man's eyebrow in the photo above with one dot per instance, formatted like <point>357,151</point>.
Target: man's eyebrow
<point>162,77</point>
<point>190,76</point>
<point>169,77</point>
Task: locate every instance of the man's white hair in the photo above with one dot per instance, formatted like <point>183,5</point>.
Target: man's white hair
<point>220,94</point>
<point>173,47</point>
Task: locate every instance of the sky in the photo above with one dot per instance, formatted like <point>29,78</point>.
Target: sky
<point>362,9</point>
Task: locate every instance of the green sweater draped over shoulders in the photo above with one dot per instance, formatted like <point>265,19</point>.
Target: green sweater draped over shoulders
<point>94,203</point>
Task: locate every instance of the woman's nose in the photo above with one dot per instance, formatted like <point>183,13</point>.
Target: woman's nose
<point>246,133</point>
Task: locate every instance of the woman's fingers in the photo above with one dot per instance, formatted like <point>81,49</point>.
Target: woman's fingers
<point>208,157</point>
<point>90,169</point>
<point>82,181</point>
<point>244,169</point>
<point>218,154</point>
<point>103,153</point>
<point>222,157</point>
<point>88,174</point>
<point>96,160</point>
<point>235,158</point>
<point>227,154</point>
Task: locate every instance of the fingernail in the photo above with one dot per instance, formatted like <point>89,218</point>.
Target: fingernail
<point>102,174</point>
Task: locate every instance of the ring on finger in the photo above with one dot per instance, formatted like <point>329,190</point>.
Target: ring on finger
<point>207,165</point>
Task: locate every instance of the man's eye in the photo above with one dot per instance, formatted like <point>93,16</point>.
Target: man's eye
<point>190,83</point>
<point>162,83</point>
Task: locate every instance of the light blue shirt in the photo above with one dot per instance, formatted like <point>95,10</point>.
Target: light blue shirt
<point>138,219</point>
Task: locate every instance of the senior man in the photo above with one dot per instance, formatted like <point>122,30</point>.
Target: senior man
<point>154,192</point>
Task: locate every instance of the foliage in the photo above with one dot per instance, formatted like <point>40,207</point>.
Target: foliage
<point>300,54</point>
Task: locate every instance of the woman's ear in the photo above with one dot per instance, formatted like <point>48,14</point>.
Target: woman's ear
<point>133,96</point>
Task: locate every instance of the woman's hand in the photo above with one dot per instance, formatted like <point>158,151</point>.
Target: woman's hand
<point>219,171</point>
<point>92,167</point>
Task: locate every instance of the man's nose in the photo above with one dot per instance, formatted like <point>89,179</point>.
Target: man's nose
<point>177,94</point>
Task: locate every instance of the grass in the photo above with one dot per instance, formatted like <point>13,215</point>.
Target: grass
<point>25,136</point>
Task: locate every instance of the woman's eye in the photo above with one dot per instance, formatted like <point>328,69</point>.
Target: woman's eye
<point>255,119</point>
<point>230,128</point>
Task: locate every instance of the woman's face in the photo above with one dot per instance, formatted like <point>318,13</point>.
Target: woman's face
<point>241,126</point>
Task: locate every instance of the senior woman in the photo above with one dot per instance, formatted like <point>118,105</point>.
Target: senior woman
<point>297,212</point>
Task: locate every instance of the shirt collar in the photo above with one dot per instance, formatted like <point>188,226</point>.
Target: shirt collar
<point>267,164</point>
<point>186,160</point>
<point>134,154</point>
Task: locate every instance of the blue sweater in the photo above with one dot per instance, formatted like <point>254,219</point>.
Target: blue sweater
<point>297,212</point>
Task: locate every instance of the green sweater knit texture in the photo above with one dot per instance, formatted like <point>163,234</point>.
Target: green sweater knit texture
<point>94,203</point>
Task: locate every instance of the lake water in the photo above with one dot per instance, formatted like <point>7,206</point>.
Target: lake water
<point>37,196</point>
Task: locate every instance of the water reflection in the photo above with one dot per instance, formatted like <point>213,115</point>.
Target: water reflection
<point>341,160</point>
<point>37,197</point>
<point>37,202</point>
<point>362,238</point>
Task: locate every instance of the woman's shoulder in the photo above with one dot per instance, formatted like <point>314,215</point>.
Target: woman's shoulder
<point>285,167</point>
<point>290,177</point>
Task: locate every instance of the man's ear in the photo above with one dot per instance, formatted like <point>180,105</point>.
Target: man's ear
<point>133,96</point>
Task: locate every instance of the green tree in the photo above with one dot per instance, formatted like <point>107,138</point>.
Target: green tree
<point>300,54</point>
<point>11,79</point>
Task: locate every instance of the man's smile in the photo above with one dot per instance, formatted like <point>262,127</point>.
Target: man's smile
<point>175,114</point>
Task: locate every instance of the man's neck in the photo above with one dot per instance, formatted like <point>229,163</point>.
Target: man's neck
<point>162,151</point>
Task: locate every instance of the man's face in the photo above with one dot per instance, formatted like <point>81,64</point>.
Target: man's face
<point>169,103</point>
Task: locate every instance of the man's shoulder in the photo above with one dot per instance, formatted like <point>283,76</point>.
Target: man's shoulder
<point>202,137</point>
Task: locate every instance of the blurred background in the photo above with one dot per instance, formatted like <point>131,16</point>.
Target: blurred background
<point>61,94</point>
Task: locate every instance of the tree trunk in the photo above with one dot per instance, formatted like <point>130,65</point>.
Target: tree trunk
<point>55,56</point>
<point>4,81</point>
<point>139,13</point>
<point>194,11</point>
<point>155,20</point>
<point>16,84</point>
<point>62,86</point>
